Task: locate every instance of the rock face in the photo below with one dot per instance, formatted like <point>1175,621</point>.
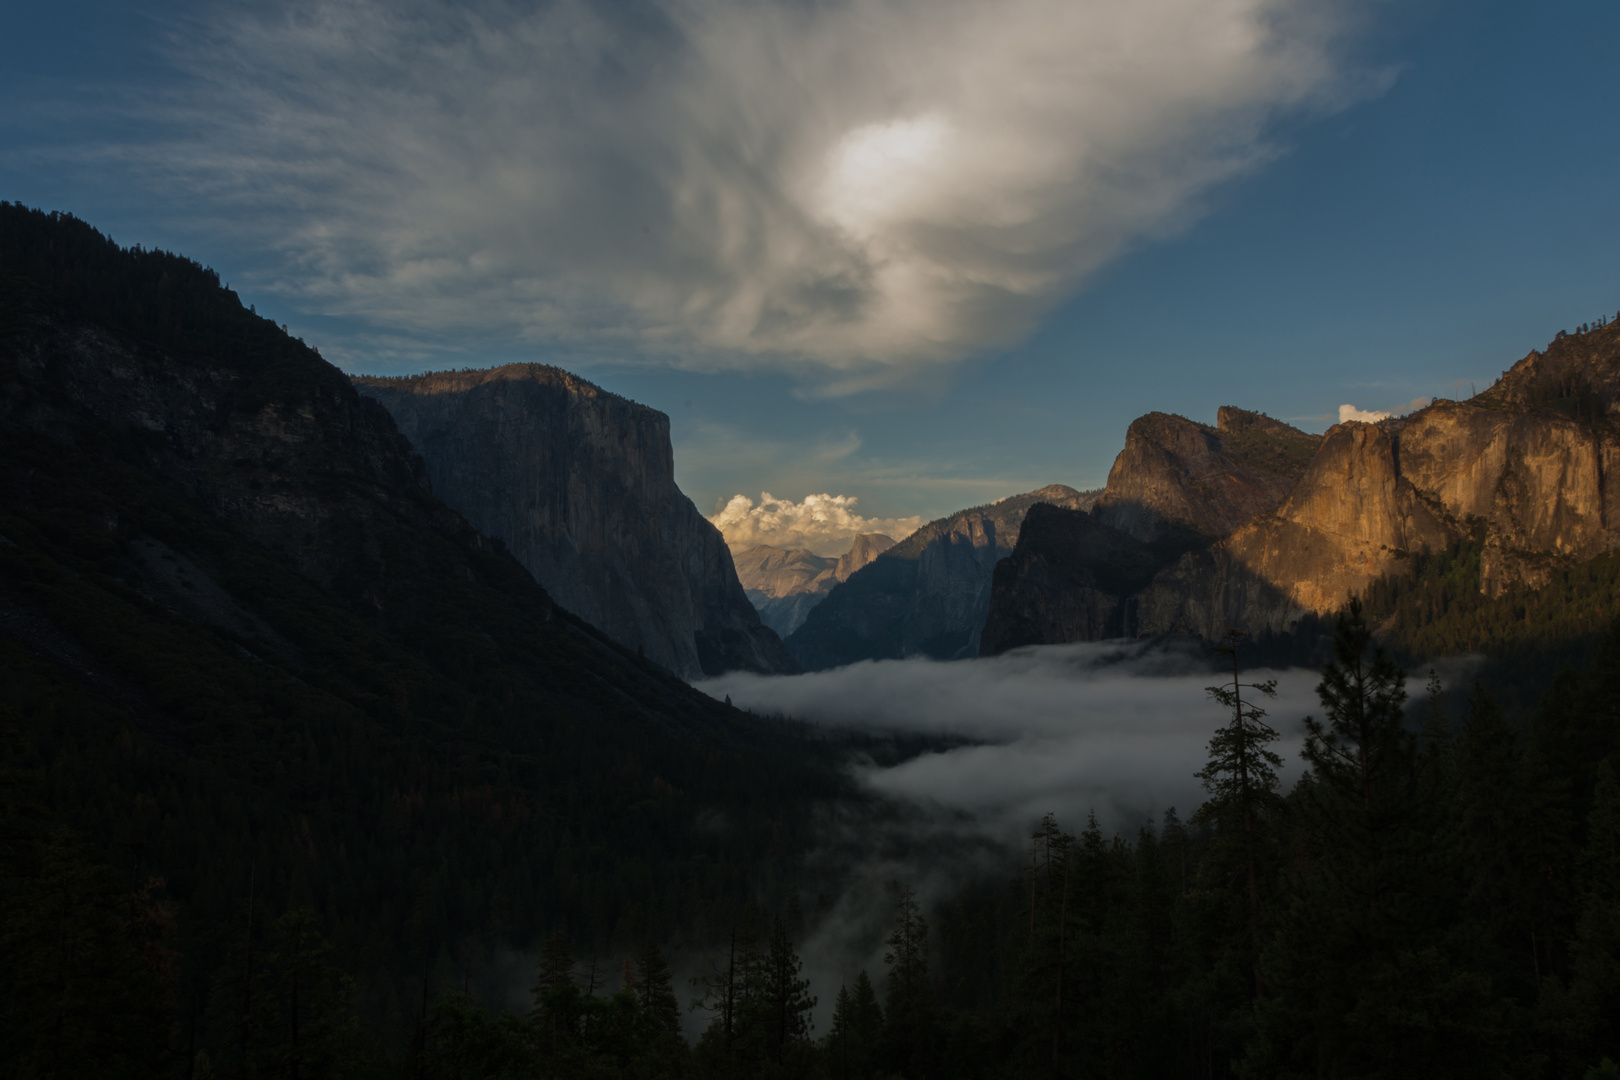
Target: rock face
<point>867,547</point>
<point>1175,489</point>
<point>1070,578</point>
<point>1351,518</point>
<point>580,485</point>
<point>1178,475</point>
<point>927,595</point>
<point>1529,467</point>
<point>784,584</point>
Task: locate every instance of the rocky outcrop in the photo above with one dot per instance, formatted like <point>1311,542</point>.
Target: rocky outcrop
<point>1351,518</point>
<point>1069,578</point>
<point>929,594</point>
<point>580,485</point>
<point>1528,469</point>
<point>867,547</point>
<point>784,584</point>
<point>1176,475</point>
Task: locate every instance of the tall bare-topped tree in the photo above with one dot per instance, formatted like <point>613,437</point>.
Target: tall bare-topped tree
<point>1241,778</point>
<point>907,953</point>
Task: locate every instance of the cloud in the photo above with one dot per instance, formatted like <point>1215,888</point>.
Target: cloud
<point>1118,728</point>
<point>826,524</point>
<point>854,189</point>
<point>1348,413</point>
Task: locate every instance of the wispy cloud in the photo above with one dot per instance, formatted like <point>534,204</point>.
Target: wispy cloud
<point>856,189</point>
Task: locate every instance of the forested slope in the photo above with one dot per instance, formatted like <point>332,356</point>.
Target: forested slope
<point>248,653</point>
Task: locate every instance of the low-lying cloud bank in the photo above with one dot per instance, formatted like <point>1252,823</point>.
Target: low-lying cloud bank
<point>1115,728</point>
<point>859,188</point>
<point>825,524</point>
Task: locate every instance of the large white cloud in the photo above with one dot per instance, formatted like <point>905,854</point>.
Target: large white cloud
<point>858,188</point>
<point>825,524</point>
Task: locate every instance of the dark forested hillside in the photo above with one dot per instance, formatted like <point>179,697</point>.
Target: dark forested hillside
<point>249,659</point>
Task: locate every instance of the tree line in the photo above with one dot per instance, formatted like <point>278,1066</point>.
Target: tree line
<point>1437,895</point>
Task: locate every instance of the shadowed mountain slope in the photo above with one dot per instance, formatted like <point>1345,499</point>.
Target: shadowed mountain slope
<point>242,641</point>
<point>928,595</point>
<point>785,584</point>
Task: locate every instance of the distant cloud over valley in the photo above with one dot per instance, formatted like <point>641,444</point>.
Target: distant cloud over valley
<point>1348,413</point>
<point>824,524</point>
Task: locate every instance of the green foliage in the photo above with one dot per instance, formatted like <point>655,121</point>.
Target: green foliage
<point>1438,610</point>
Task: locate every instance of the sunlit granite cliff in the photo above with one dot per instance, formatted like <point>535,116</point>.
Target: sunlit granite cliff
<point>1273,524</point>
<point>580,485</point>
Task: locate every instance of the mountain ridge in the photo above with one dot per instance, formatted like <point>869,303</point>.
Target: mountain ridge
<point>928,594</point>
<point>1527,468</point>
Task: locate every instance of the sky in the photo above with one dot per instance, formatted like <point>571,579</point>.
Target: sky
<point>902,256</point>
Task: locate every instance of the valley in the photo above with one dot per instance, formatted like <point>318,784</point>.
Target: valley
<point>435,700</point>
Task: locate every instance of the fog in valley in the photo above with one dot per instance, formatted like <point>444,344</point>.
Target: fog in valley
<point>1115,728</point>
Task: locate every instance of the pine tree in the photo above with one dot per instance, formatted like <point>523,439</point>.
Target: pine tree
<point>839,1035</point>
<point>866,1014</point>
<point>908,1045</point>
<point>1594,991</point>
<point>1512,825</point>
<point>731,993</point>
<point>907,954</point>
<point>1241,778</point>
<point>785,994</point>
<point>1362,976</point>
<point>304,1022</point>
<point>654,988</point>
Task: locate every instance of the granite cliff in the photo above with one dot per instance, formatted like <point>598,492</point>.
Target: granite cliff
<point>580,486</point>
<point>1277,524</point>
<point>927,595</point>
<point>784,584</point>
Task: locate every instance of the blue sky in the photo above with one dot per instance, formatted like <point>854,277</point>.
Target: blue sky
<point>870,248</point>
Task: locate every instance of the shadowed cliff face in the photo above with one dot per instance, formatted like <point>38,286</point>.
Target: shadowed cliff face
<point>1069,578</point>
<point>580,485</point>
<point>1529,466</point>
<point>928,595</point>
